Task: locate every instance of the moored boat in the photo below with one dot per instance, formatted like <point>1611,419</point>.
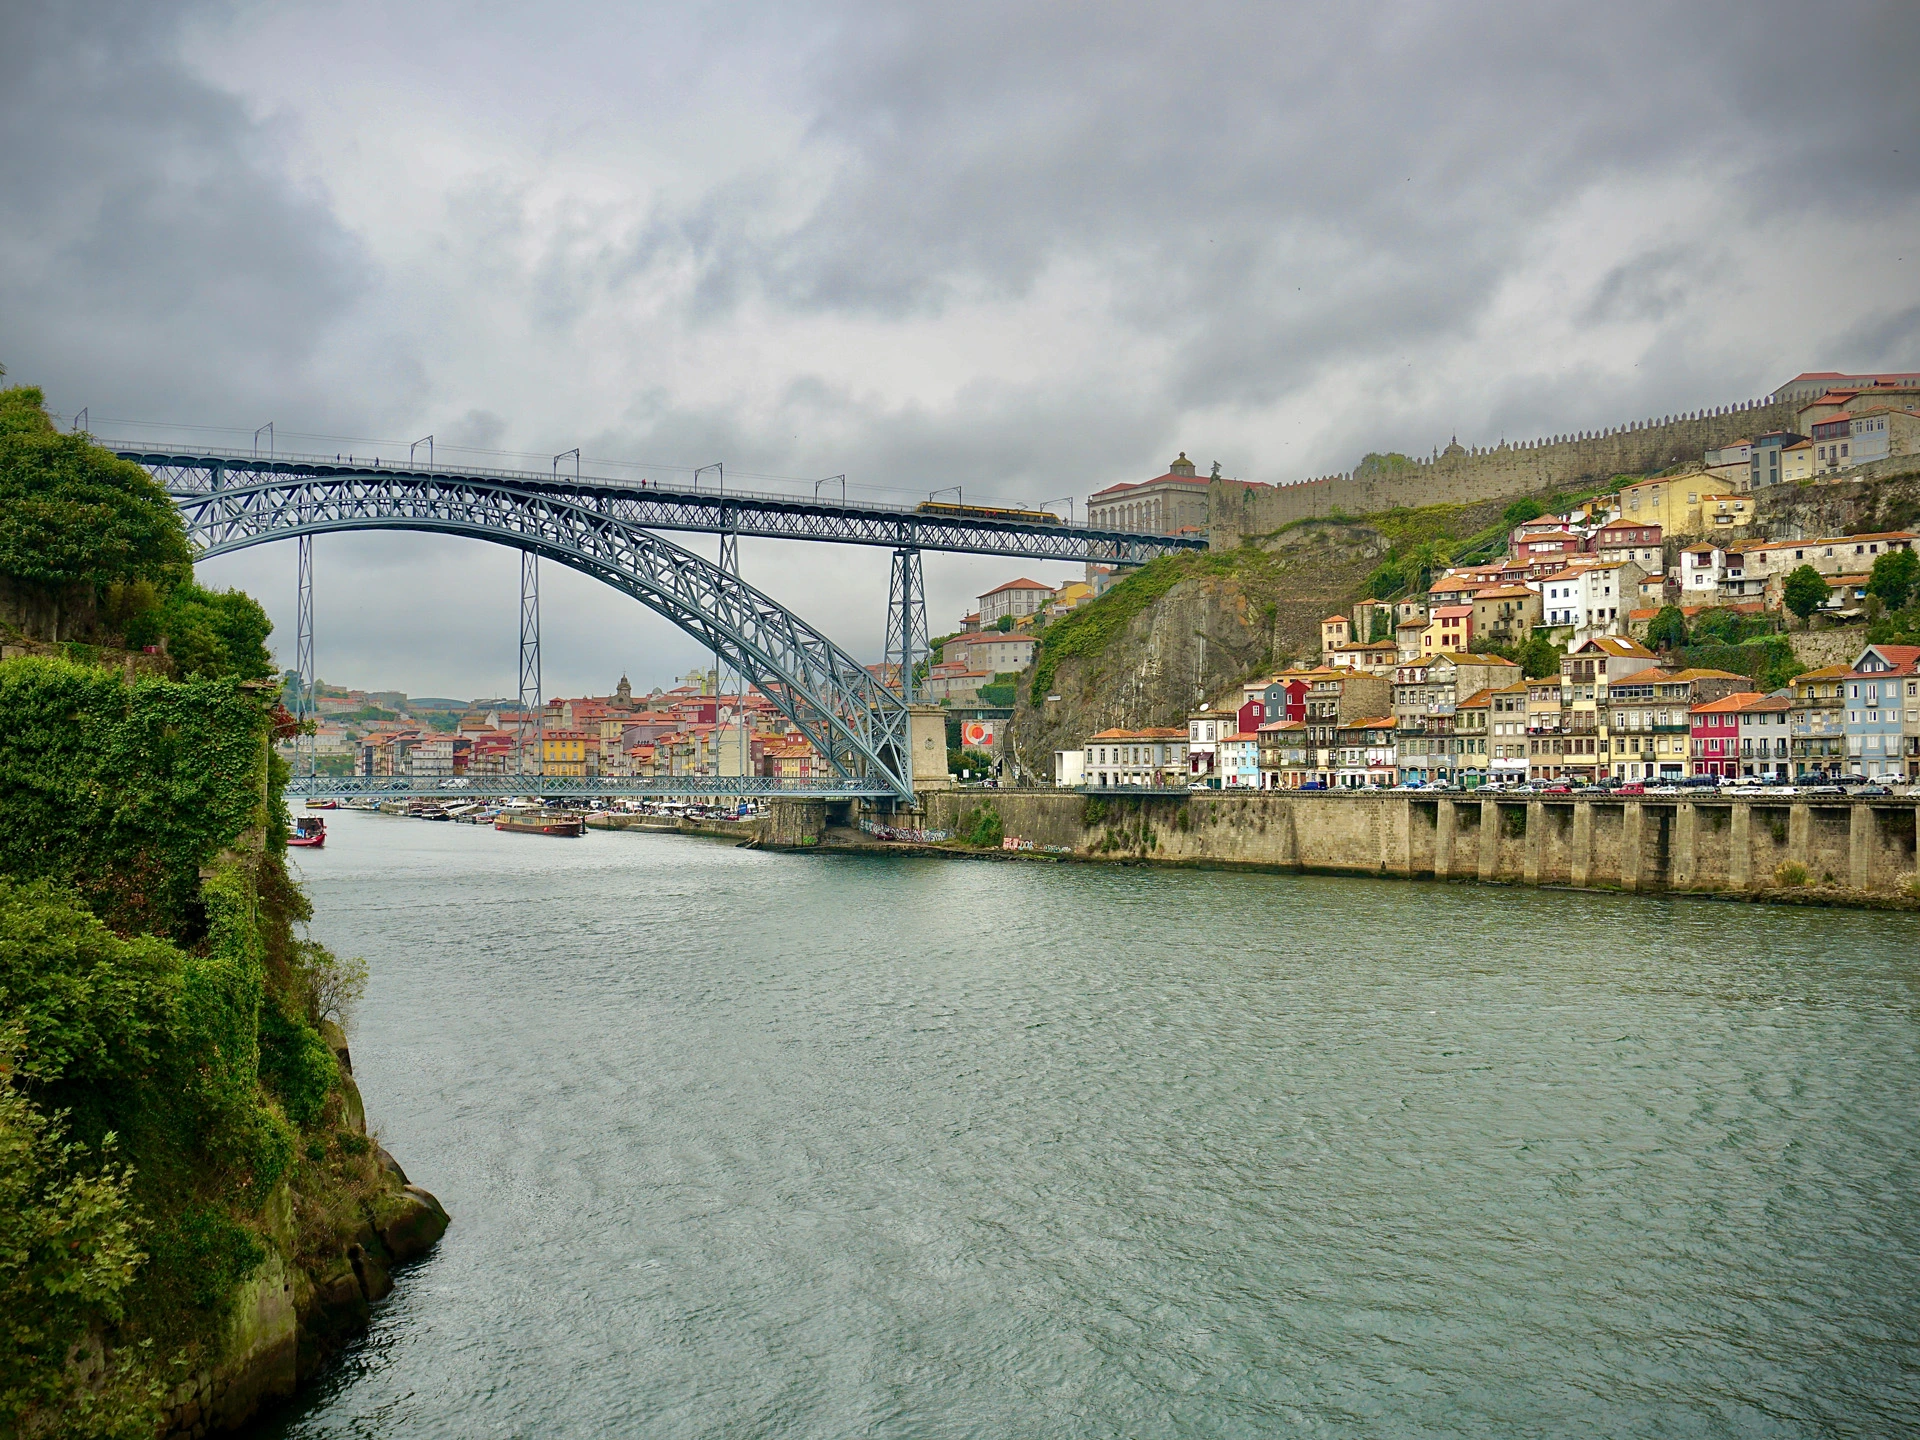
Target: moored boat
<point>310,831</point>
<point>541,822</point>
<point>323,804</point>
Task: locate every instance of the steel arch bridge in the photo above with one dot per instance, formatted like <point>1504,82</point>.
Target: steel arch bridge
<point>857,723</point>
<point>1007,533</point>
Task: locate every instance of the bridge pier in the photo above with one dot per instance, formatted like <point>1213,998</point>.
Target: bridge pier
<point>303,656</point>
<point>794,824</point>
<point>907,635</point>
<point>531,702</point>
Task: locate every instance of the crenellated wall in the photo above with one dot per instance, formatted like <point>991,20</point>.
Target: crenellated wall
<point>1498,472</point>
<point>1849,850</point>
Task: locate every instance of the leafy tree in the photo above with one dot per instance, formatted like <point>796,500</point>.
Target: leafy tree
<point>1895,576</point>
<point>1387,580</point>
<point>1004,624</point>
<point>73,514</point>
<point>208,632</point>
<point>1425,558</point>
<point>978,761</point>
<point>1668,629</point>
<point>1381,627</point>
<point>1521,511</point>
<point>70,1236</point>
<point>1805,591</point>
<point>1540,657</point>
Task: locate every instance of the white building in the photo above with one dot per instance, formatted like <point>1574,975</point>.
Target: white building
<point>1204,730</point>
<point>1137,759</point>
<point>990,651</point>
<point>432,756</point>
<point>1702,569</point>
<point>1017,598</point>
<point>1069,768</point>
<point>1589,599</point>
<point>1239,759</point>
<point>1763,737</point>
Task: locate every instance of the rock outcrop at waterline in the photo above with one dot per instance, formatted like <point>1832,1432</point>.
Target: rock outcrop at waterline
<point>305,1303</point>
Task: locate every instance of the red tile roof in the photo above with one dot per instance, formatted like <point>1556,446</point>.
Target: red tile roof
<point>1740,700</point>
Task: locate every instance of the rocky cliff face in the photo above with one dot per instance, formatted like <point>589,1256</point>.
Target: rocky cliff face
<point>1889,501</point>
<point>1225,616</point>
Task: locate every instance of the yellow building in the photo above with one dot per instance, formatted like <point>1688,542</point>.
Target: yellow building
<point>1685,505</point>
<point>1068,597</point>
<point>564,752</point>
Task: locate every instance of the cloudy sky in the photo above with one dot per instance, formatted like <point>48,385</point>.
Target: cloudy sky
<point>1030,250</point>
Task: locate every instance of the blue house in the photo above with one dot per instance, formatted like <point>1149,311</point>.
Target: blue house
<point>1882,689</point>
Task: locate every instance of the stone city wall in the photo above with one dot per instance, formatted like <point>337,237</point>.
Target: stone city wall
<point>1499,472</point>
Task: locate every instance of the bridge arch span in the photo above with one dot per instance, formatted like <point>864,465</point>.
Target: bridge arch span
<point>860,725</point>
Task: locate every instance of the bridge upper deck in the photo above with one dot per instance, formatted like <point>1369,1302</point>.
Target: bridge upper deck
<point>711,510</point>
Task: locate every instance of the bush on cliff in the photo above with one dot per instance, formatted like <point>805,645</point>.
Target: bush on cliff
<point>72,513</point>
<point>1086,632</point>
<point>163,1070</point>
<point>81,529</point>
<point>207,632</point>
<point>125,791</point>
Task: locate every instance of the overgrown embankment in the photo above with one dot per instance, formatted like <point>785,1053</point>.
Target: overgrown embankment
<point>191,1211</point>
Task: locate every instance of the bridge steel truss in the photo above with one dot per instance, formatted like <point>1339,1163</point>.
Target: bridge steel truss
<point>857,723</point>
<point>708,511</point>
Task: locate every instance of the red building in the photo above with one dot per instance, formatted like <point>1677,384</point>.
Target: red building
<point>1716,735</point>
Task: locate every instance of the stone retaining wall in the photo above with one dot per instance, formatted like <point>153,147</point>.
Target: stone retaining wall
<point>1849,850</point>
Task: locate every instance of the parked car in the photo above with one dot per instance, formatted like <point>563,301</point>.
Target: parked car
<point>1557,787</point>
<point>1872,788</point>
<point>1313,785</point>
<point>1632,787</point>
<point>1702,782</point>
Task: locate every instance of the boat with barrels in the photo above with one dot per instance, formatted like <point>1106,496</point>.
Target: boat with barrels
<point>309,831</point>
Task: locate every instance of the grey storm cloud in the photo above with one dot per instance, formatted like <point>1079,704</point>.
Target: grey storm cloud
<point>1029,250</point>
<point>150,247</point>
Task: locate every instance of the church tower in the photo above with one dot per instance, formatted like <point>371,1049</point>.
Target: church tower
<point>623,692</point>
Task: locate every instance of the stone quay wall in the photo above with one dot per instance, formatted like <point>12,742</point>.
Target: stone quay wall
<point>1501,472</point>
<point>1851,851</point>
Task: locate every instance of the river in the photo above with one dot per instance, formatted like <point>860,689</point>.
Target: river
<point>745,1144</point>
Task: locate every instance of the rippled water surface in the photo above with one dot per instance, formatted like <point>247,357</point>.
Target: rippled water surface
<point>741,1144</point>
